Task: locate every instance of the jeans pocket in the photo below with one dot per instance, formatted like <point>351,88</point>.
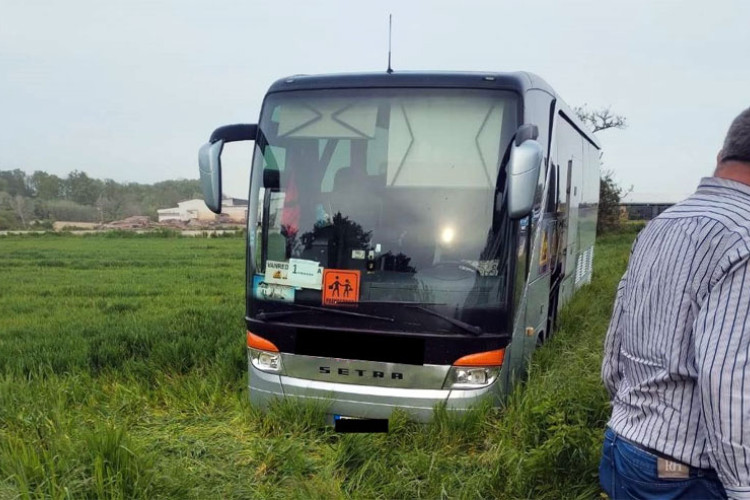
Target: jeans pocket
<point>634,463</point>
<point>636,476</point>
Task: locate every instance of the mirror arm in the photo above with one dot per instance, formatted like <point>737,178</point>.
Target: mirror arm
<point>209,160</point>
<point>526,132</point>
<point>234,133</point>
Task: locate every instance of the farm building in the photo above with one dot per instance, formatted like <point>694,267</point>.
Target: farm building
<point>646,206</point>
<point>233,209</point>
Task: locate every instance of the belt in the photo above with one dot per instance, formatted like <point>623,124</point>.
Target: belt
<point>700,471</point>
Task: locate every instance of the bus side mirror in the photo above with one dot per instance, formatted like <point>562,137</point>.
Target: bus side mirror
<point>523,177</point>
<point>209,165</point>
<point>209,160</point>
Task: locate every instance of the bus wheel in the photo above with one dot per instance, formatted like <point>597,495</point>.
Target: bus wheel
<point>552,314</point>
<point>540,339</point>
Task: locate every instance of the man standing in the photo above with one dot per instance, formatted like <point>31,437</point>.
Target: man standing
<point>677,353</point>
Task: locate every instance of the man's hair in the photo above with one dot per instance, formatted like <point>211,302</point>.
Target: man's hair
<point>737,142</point>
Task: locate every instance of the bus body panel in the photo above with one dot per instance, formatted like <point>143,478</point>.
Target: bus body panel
<point>367,401</point>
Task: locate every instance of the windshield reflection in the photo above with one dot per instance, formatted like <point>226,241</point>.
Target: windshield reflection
<point>399,185</point>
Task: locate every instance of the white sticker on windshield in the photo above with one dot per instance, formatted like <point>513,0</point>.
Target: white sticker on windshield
<point>305,273</point>
<point>358,254</point>
<point>277,272</point>
<point>298,273</point>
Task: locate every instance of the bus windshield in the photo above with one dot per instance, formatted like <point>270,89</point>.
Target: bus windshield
<point>377,200</point>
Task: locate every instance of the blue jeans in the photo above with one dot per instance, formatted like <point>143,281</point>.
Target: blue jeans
<point>628,470</point>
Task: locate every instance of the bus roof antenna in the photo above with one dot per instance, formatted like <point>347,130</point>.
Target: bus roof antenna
<point>390,29</point>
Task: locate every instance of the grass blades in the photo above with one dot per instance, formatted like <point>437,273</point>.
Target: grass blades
<point>122,375</point>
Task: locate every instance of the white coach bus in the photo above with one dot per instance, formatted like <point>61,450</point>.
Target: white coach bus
<point>411,236</point>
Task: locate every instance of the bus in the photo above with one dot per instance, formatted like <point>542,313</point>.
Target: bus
<point>411,236</point>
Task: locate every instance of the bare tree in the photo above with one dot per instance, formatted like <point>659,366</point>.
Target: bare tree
<point>101,203</point>
<point>610,194</point>
<point>600,119</point>
<point>23,207</point>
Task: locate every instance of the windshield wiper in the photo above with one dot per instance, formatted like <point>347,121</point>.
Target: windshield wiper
<point>303,309</point>
<point>474,330</point>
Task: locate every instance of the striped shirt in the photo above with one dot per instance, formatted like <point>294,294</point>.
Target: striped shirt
<point>677,352</point>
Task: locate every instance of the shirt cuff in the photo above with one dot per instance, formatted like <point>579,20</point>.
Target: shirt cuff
<point>738,492</point>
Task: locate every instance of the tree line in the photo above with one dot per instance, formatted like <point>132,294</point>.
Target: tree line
<point>38,199</point>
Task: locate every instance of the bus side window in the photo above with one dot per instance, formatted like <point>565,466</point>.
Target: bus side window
<point>552,190</point>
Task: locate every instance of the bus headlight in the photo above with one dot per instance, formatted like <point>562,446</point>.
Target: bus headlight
<point>476,370</point>
<point>264,355</point>
<point>461,377</point>
<point>265,361</point>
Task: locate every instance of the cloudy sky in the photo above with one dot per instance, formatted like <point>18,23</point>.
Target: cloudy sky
<point>130,90</point>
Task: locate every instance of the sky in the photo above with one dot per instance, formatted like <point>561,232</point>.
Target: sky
<point>131,90</point>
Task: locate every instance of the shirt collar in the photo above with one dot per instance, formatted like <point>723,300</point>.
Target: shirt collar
<point>718,185</point>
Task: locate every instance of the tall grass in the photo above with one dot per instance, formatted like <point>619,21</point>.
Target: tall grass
<point>122,375</point>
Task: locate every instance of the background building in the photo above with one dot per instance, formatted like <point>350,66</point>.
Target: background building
<point>646,206</point>
<point>233,210</point>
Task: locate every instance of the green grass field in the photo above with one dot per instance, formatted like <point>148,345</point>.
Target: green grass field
<point>122,375</point>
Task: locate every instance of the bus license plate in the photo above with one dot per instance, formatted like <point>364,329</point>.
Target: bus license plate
<point>342,423</point>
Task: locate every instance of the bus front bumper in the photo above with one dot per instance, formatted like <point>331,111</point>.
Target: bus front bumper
<point>364,401</point>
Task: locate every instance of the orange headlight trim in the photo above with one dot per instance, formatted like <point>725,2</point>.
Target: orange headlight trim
<point>257,342</point>
<point>487,358</point>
